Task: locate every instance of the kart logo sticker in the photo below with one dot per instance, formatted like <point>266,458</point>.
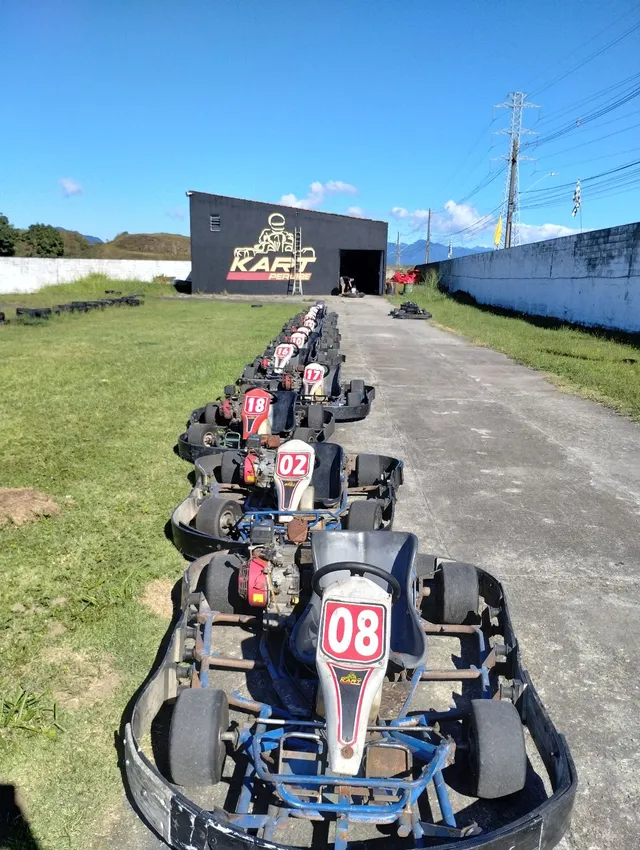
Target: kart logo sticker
<point>350,679</point>
<point>354,633</point>
<point>350,689</point>
<point>271,258</point>
<point>256,407</point>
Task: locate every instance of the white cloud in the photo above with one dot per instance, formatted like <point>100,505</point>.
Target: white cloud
<point>459,217</point>
<point>357,212</point>
<point>317,194</point>
<point>540,232</point>
<point>70,186</point>
<point>175,213</point>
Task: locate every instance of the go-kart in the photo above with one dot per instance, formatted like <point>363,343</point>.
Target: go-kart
<point>322,387</point>
<point>409,310</point>
<point>283,495</point>
<point>319,718</point>
<point>269,416</point>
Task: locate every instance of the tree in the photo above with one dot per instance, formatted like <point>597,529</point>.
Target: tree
<point>8,237</point>
<point>43,240</point>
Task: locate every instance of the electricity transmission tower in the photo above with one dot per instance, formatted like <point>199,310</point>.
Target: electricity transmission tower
<point>510,210</point>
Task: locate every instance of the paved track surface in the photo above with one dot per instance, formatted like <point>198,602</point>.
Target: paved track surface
<point>541,488</point>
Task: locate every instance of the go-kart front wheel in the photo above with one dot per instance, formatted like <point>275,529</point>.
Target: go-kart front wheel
<point>201,434</point>
<point>196,749</point>
<point>497,753</point>
<point>365,516</point>
<point>218,517</point>
<point>457,592</point>
<point>221,584</point>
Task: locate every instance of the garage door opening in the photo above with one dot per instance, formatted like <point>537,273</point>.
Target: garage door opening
<point>365,267</point>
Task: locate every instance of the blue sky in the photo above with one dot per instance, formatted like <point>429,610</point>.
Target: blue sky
<point>382,104</point>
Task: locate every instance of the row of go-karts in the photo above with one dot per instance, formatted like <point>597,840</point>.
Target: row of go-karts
<point>296,702</point>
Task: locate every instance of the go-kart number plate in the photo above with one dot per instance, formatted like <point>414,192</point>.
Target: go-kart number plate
<point>354,633</point>
<point>256,407</point>
<point>293,465</point>
<point>283,351</point>
<point>299,340</point>
<point>255,404</point>
<point>312,374</point>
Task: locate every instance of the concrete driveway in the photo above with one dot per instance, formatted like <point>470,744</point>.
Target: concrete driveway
<point>541,488</point>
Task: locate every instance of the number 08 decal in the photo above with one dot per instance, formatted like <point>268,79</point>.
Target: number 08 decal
<point>352,632</point>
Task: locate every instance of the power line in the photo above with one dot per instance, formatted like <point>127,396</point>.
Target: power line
<point>590,142</point>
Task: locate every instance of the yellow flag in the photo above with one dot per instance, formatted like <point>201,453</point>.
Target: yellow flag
<point>497,236</point>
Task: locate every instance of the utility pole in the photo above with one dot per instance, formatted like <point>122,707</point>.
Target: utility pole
<point>450,254</point>
<point>511,197</point>
<point>428,249</point>
<point>398,251</point>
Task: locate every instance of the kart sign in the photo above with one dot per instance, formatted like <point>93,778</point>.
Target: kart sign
<point>313,378</point>
<point>293,472</point>
<point>299,339</point>
<point>293,465</point>
<point>354,633</point>
<point>282,355</point>
<point>256,407</point>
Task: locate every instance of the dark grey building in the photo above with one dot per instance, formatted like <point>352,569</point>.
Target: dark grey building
<point>250,247</point>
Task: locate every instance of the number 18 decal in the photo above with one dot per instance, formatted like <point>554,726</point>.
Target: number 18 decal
<point>354,632</point>
<point>255,404</point>
<point>293,464</point>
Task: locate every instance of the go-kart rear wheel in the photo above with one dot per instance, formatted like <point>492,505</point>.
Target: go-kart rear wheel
<point>365,515</point>
<point>354,399</point>
<point>458,593</point>
<point>221,584</point>
<point>357,386</point>
<point>315,417</point>
<point>196,749</point>
<point>211,413</point>
<point>201,434</point>
<point>367,470</point>
<point>249,372</point>
<point>497,753</point>
<point>305,434</point>
<point>218,517</point>
<point>230,467</point>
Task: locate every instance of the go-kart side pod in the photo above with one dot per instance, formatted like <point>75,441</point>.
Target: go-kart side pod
<point>184,825</point>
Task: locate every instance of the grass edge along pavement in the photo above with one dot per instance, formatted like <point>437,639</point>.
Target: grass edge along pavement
<point>92,405</point>
<point>595,363</point>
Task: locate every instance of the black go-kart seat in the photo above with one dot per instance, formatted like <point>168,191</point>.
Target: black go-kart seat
<point>283,414</point>
<point>392,551</point>
<point>327,473</point>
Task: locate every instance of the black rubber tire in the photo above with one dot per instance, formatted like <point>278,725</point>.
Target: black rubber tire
<point>220,584</point>
<point>357,386</point>
<point>217,517</point>
<point>249,372</point>
<point>365,516</point>
<point>458,592</point>
<point>196,751</point>
<point>367,470</point>
<point>231,465</point>
<point>315,417</point>
<point>211,413</point>
<point>307,435</point>
<point>354,399</point>
<point>201,434</point>
<point>497,752</point>
<point>229,390</point>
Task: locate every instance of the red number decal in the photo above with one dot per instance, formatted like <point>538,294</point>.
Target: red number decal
<point>354,632</point>
<point>283,351</point>
<point>298,339</point>
<point>293,464</point>
<point>254,405</point>
<point>312,374</point>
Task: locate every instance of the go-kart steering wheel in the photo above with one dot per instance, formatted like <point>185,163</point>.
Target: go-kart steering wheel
<point>358,569</point>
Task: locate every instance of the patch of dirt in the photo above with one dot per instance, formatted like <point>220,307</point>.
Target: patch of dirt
<point>83,681</point>
<point>20,505</point>
<point>157,598</point>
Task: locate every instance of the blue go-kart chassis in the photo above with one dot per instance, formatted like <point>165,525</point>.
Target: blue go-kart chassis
<point>293,776</point>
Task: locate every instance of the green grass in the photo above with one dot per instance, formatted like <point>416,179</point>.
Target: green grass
<point>91,407</point>
<point>597,364</point>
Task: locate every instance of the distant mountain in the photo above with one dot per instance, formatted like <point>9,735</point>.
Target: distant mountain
<point>94,240</point>
<point>413,254</point>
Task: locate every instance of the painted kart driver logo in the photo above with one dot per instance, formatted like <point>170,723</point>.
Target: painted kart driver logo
<point>258,262</point>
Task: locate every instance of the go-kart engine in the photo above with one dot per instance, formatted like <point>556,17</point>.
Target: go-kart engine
<point>259,468</point>
<point>270,580</point>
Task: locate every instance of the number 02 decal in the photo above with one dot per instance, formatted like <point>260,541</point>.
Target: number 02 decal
<point>293,464</point>
<point>353,632</point>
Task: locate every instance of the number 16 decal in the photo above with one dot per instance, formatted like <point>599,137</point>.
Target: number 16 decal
<point>354,633</point>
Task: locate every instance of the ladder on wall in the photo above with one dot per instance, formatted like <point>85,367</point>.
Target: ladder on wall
<point>295,280</point>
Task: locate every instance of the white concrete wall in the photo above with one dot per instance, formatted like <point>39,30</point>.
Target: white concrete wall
<point>591,278</point>
<point>28,274</point>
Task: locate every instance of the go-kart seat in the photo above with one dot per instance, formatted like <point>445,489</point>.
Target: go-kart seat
<point>327,473</point>
<point>393,551</point>
<point>283,416</point>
